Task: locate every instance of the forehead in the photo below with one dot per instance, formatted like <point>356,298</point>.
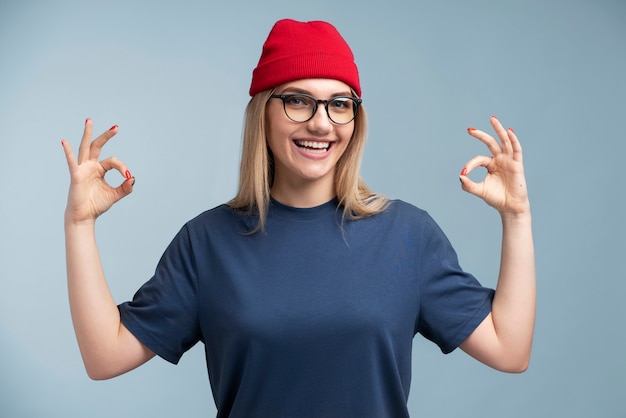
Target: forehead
<point>318,87</point>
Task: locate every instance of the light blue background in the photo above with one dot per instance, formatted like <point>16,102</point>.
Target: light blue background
<point>175,76</point>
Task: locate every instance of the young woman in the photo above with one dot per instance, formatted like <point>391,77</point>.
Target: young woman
<point>307,288</point>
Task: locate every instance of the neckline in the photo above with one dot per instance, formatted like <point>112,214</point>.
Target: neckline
<point>279,209</point>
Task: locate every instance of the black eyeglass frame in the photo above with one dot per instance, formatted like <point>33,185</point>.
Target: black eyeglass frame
<point>284,97</point>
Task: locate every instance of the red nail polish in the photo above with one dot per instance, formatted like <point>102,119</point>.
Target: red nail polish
<point>511,129</point>
<point>62,142</point>
<point>87,121</point>
<point>464,171</point>
<point>127,174</point>
<point>471,129</point>
<point>113,127</point>
<point>494,116</point>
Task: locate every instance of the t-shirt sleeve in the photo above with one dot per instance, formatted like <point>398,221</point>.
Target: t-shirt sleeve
<point>452,302</point>
<point>163,314</point>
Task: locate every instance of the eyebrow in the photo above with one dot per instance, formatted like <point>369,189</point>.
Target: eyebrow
<point>302,91</point>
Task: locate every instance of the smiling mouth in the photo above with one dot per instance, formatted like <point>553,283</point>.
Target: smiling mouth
<point>313,146</point>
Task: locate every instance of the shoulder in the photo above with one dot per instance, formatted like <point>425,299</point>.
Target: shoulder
<point>404,207</point>
<point>220,219</point>
<point>210,215</point>
<point>398,219</point>
<point>406,212</point>
<point>409,220</point>
<point>217,214</point>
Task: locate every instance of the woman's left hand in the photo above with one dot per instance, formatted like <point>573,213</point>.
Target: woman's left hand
<point>504,186</point>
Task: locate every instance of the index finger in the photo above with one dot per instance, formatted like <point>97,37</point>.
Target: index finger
<point>98,143</point>
<point>492,144</point>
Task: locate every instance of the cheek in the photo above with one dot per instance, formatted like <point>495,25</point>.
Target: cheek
<point>274,138</point>
<point>276,129</point>
<point>347,142</point>
<point>346,135</point>
<point>270,132</point>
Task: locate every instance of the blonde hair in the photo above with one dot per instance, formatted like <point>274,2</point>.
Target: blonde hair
<point>256,172</point>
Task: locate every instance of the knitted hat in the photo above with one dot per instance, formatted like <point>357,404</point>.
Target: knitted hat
<point>295,50</point>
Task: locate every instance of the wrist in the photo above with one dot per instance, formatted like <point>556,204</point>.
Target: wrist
<point>71,222</point>
<point>516,217</point>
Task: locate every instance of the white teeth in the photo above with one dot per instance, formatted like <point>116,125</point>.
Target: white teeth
<point>322,146</point>
<point>316,151</point>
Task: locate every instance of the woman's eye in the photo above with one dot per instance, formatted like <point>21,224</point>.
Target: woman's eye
<point>341,104</point>
<point>297,101</point>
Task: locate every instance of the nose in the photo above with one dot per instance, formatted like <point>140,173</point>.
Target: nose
<point>320,122</point>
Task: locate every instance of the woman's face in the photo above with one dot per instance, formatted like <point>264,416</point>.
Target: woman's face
<point>306,153</point>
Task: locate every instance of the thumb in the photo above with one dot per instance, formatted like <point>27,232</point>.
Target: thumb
<point>470,186</point>
<point>126,187</point>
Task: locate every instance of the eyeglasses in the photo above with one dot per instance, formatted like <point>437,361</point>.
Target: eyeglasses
<point>302,107</point>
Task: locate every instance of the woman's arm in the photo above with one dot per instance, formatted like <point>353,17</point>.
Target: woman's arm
<point>107,347</point>
<point>504,339</point>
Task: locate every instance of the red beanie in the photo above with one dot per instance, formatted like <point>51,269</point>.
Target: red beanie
<point>297,50</point>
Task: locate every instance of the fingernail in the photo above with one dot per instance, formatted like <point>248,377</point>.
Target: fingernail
<point>464,171</point>
<point>127,174</point>
<point>471,129</point>
<point>461,180</point>
<point>87,121</point>
<point>62,142</point>
<point>511,129</point>
<point>113,127</point>
<point>133,183</point>
<point>494,116</point>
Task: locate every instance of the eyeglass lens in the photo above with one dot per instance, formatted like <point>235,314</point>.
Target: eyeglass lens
<point>300,108</point>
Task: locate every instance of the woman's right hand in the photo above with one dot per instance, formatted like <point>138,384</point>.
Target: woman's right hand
<point>90,195</point>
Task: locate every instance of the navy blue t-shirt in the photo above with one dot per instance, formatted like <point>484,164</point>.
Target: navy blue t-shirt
<point>314,317</point>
